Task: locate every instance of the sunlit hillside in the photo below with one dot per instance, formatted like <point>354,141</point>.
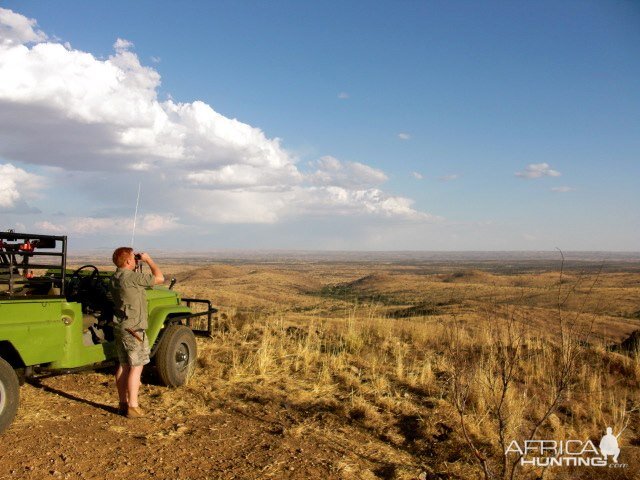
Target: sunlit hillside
<point>364,370</point>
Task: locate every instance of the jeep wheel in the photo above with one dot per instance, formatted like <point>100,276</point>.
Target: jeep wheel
<point>9,394</point>
<point>176,355</point>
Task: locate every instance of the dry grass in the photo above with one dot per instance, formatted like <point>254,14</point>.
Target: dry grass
<point>383,353</point>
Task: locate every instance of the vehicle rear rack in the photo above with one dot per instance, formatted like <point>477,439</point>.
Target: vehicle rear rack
<point>19,253</point>
<point>208,332</point>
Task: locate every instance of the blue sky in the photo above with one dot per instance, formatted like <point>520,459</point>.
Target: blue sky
<point>402,125</point>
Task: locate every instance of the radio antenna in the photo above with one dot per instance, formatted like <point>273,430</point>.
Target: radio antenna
<point>135,215</point>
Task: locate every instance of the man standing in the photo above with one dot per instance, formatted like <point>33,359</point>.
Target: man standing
<point>130,308</point>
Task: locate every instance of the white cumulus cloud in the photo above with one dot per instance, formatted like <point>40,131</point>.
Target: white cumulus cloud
<point>404,136</point>
<point>121,44</point>
<point>17,184</point>
<point>17,29</point>
<point>331,171</point>
<point>370,201</point>
<point>103,115</point>
<point>417,175</point>
<point>147,224</point>
<point>537,170</point>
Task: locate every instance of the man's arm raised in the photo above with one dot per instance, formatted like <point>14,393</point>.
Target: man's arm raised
<point>158,278</point>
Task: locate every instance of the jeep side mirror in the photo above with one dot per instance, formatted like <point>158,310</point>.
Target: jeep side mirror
<point>172,283</point>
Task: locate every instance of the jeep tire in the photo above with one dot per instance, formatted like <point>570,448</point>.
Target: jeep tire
<point>9,394</point>
<point>176,356</point>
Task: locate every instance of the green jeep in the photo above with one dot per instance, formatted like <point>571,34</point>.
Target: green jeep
<point>54,320</point>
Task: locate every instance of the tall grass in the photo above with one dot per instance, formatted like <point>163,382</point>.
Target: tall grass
<point>470,384</point>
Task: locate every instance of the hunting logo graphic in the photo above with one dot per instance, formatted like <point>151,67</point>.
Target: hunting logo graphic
<point>569,453</point>
<point>609,445</point>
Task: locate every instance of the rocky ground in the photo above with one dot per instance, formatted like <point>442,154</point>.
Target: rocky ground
<point>68,428</point>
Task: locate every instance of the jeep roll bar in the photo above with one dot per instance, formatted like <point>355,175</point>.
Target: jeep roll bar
<point>20,251</point>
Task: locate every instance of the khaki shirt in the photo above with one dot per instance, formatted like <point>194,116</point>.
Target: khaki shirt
<point>130,299</point>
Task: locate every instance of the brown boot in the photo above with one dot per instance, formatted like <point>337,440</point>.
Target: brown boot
<point>134,412</point>
<point>122,408</point>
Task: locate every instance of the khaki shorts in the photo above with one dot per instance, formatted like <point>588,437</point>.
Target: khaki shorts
<point>130,350</point>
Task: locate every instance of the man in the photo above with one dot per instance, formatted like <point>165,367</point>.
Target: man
<point>130,319</point>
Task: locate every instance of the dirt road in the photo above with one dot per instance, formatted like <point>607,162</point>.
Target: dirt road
<point>67,427</point>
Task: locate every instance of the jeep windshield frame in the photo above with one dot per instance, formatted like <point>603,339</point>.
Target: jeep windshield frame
<point>20,253</point>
